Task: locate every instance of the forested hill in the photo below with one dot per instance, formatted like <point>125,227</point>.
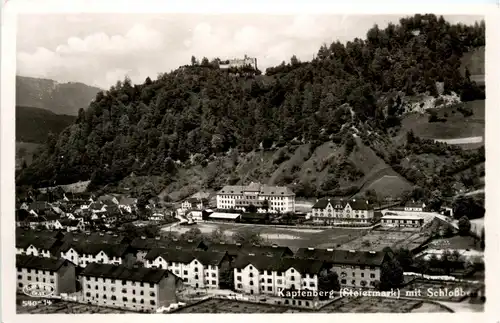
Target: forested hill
<point>60,98</point>
<point>152,128</point>
<point>34,124</point>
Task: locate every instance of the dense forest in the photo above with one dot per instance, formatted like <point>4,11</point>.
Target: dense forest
<point>151,128</point>
<point>35,124</point>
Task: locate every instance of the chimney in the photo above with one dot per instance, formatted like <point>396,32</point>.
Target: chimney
<point>329,249</point>
<point>310,248</point>
<point>143,237</point>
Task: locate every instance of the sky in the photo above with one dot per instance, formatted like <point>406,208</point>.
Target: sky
<point>99,49</point>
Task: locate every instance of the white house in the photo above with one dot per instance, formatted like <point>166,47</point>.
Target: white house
<point>415,206</point>
<point>273,199</point>
<point>331,211</point>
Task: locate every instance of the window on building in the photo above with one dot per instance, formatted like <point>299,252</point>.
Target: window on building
<point>152,302</point>
<point>113,297</point>
<point>214,282</point>
<point>251,283</point>
<point>133,291</point>
<point>214,275</point>
<point>142,301</point>
<point>113,289</point>
<point>353,282</point>
<point>238,278</point>
<point>185,272</point>
<point>269,288</point>
<point>21,285</point>
<point>250,275</point>
<point>240,286</point>
<point>87,294</point>
<point>353,274</point>
<point>133,300</point>
<point>279,281</point>
<point>152,294</point>
<point>362,274</point>
<point>141,284</point>
<point>124,290</point>
<point>292,278</point>
<point>372,275</point>
<point>104,296</point>
<point>124,282</point>
<point>19,276</point>
<point>195,269</point>
<point>343,281</point>
<point>125,299</point>
<point>29,277</point>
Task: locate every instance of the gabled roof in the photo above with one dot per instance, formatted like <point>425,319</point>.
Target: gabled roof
<point>258,261</point>
<point>96,206</point>
<point>356,204</point>
<point>104,238</point>
<point>69,222</point>
<point>308,266</point>
<point>414,204</point>
<point>231,249</point>
<point>44,243</point>
<point>277,251</point>
<point>149,243</point>
<point>40,263</point>
<point>127,201</point>
<point>262,189</point>
<point>111,250</point>
<point>206,258</point>
<point>139,274</point>
<point>345,257</point>
<point>39,205</point>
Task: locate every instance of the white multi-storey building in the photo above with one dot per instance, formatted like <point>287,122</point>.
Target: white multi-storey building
<point>137,288</point>
<point>58,274</point>
<point>402,221</point>
<point>361,269</point>
<point>329,211</point>
<point>196,268</point>
<point>273,199</point>
<point>256,274</point>
<point>415,206</point>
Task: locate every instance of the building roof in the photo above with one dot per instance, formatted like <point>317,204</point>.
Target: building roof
<point>279,264</point>
<point>231,249</point>
<point>356,204</point>
<point>127,200</point>
<point>402,217</point>
<point>39,205</point>
<point>83,248</point>
<point>139,274</point>
<point>302,265</point>
<point>149,243</point>
<point>184,256</point>
<point>274,250</point>
<point>44,243</point>
<point>262,189</point>
<point>22,215</point>
<point>95,237</point>
<point>41,263</point>
<point>414,204</point>
<point>69,222</point>
<point>346,257</point>
<point>223,215</point>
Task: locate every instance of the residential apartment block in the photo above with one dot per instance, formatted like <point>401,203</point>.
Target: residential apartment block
<point>257,274</point>
<point>57,273</point>
<point>197,268</point>
<point>136,288</point>
<point>273,199</point>
<point>359,269</point>
<point>330,212</point>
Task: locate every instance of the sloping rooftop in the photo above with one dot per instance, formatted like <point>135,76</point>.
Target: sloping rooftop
<point>41,263</point>
<point>184,256</point>
<point>139,274</point>
<point>262,189</point>
<point>346,257</point>
<point>356,204</point>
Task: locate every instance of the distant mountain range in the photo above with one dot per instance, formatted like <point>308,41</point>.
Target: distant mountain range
<point>34,124</point>
<point>59,98</point>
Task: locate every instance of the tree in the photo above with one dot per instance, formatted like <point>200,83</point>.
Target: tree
<point>391,273</point>
<point>218,236</point>
<point>405,258</point>
<point>193,61</point>
<point>251,208</point>
<point>248,237</point>
<point>192,234</point>
<point>328,280</point>
<point>464,226</point>
<point>226,279</point>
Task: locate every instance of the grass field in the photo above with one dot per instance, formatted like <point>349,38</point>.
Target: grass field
<point>293,238</point>
<point>456,126</point>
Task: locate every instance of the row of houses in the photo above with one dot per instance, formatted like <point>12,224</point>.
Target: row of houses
<point>254,269</point>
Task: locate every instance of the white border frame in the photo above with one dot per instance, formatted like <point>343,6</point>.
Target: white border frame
<point>7,132</point>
